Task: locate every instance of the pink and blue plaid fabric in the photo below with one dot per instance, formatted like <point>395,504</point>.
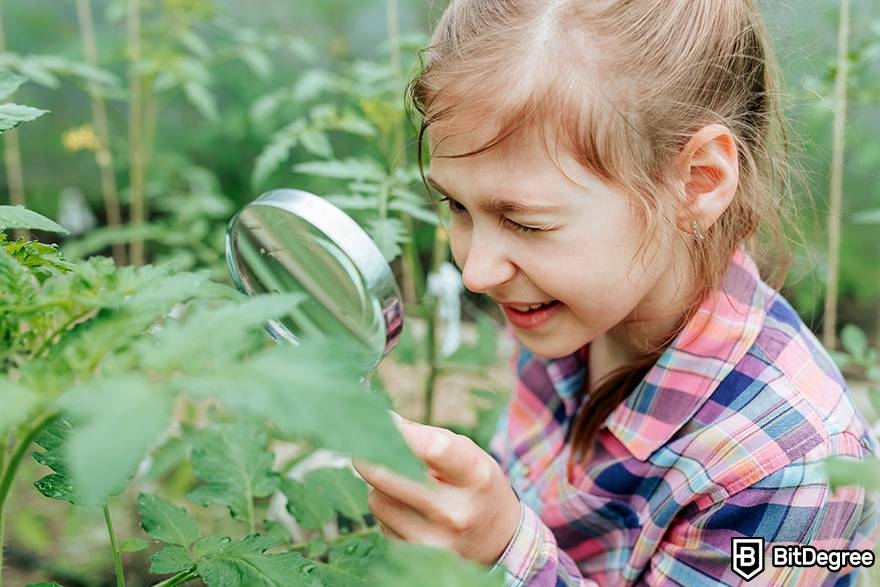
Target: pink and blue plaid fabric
<point>723,438</point>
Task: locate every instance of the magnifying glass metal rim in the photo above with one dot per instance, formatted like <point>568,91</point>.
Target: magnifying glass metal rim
<point>346,234</point>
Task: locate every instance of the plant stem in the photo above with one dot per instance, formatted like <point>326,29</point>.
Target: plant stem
<point>135,129</point>
<point>179,579</point>
<point>829,322</point>
<point>117,560</point>
<point>18,453</point>
<point>8,473</point>
<point>2,535</point>
<point>103,155</point>
<point>12,153</point>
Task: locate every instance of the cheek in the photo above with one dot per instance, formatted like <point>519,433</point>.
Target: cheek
<point>459,243</point>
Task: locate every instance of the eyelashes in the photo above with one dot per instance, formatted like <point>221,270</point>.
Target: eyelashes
<point>457,209</point>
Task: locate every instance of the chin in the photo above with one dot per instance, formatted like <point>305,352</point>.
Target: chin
<point>554,348</point>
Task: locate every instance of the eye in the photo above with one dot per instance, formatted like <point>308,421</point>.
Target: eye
<point>454,206</point>
<point>518,227</point>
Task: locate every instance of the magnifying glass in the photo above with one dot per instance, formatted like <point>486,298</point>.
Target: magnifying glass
<point>293,241</point>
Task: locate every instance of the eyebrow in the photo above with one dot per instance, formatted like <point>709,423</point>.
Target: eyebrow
<point>498,205</point>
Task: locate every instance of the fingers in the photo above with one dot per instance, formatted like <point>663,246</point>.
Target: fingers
<point>456,458</point>
<point>401,489</point>
<point>395,519</point>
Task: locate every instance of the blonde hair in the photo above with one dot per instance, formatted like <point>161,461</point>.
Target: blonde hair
<point>625,84</point>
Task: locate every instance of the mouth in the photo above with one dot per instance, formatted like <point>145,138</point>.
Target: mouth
<point>529,308</point>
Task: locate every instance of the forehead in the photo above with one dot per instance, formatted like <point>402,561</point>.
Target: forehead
<point>533,160</point>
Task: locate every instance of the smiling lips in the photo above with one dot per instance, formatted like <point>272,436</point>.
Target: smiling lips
<point>528,316</point>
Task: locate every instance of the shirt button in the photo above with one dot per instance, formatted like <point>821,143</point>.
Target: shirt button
<point>524,469</point>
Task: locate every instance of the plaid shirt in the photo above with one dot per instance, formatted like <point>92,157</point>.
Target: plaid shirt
<point>724,437</point>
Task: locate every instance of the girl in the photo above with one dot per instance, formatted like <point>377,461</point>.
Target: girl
<point>608,165</point>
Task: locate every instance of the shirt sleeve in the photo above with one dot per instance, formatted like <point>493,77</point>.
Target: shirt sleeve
<point>533,559</point>
<point>795,505</point>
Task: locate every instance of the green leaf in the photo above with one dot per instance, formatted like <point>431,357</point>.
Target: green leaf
<point>21,217</point>
<point>53,439</point>
<point>11,115</point>
<point>167,522</point>
<point>867,216</point>
<point>388,234</point>
<point>310,509</point>
<point>276,152</point>
<point>244,562</point>
<point>122,417</point>
<point>133,545</point>
<point>233,462</point>
<point>9,82</point>
<point>346,493</point>
<point>854,341</point>
<point>18,403</point>
<point>44,584</point>
<point>208,337</point>
<point>257,61</point>
<point>293,387</point>
<point>358,554</point>
<point>203,100</point>
<point>316,142</point>
<point>171,559</point>
<point>418,212</point>
<point>352,169</point>
<point>410,564</point>
<point>849,472</point>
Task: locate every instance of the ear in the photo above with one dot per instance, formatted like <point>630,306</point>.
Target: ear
<point>709,164</point>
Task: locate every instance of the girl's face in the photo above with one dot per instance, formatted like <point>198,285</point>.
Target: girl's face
<point>524,234</point>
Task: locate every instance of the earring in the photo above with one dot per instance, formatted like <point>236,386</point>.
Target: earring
<point>697,233</point>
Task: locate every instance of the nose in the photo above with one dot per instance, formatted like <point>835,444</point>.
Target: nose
<point>486,265</point>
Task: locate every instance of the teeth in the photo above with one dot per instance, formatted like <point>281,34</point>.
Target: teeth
<point>528,308</point>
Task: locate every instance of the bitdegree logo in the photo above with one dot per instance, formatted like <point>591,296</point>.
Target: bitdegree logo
<point>747,557</point>
<point>804,555</point>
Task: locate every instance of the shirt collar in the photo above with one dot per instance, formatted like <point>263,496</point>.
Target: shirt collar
<point>714,340</point>
<point>712,343</point>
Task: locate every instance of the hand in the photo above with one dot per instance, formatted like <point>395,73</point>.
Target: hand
<point>468,505</point>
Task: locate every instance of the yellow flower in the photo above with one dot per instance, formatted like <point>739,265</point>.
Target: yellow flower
<point>80,138</point>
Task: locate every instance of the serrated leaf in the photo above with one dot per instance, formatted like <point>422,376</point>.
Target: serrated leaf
<point>133,545</point>
<point>276,531</point>
<point>233,462</point>
<point>411,564</point>
<point>196,45</point>
<point>854,341</point>
<point>211,336</point>
<point>165,521</point>
<point>21,217</point>
<point>203,100</point>
<point>424,214</point>
<point>346,493</point>
<point>352,169</point>
<point>121,419</point>
<point>171,559</point>
<point>388,234</point>
<point>293,386</point>
<point>55,486</point>
<point>316,142</point>
<point>257,61</point>
<point>358,554</point>
<point>9,82</point>
<point>273,155</point>
<point>11,115</point>
<point>209,545</point>
<point>312,84</point>
<point>244,562</point>
<point>310,509</point>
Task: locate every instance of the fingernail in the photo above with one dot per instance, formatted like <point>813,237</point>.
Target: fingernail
<point>398,419</point>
